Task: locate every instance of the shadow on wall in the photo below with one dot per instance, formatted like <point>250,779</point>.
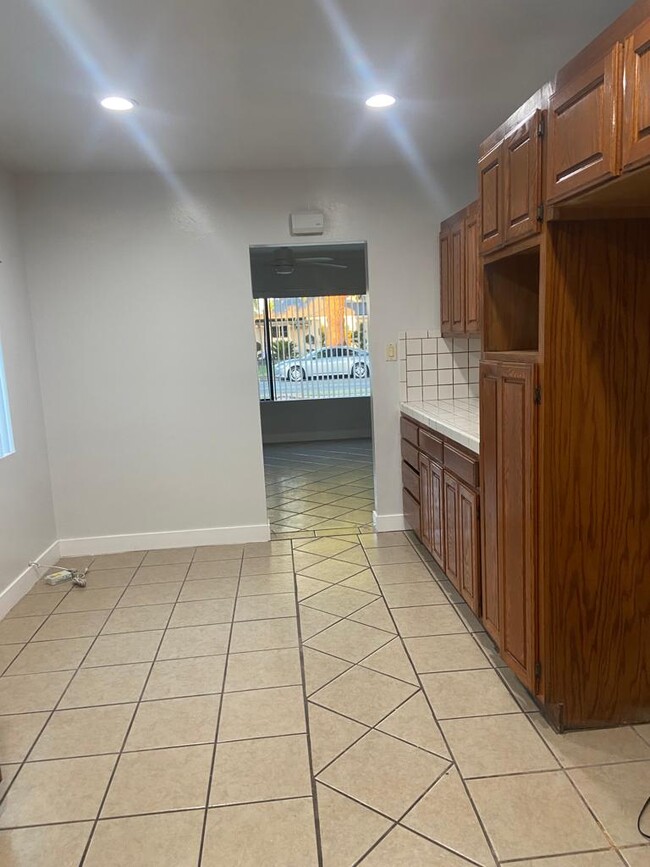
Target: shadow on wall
<point>295,421</point>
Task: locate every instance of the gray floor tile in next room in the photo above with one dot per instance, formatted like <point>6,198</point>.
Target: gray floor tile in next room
<point>321,701</point>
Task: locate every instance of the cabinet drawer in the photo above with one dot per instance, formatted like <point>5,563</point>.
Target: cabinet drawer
<point>409,430</point>
<point>431,445</point>
<point>411,481</point>
<point>410,454</point>
<point>464,467</point>
<point>411,511</point>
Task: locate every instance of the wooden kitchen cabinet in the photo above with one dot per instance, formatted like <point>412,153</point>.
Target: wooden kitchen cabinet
<point>459,274</point>
<point>445,281</point>
<point>636,119</point>
<point>468,545</point>
<point>437,515</point>
<point>452,536</point>
<point>522,173</point>
<point>490,197</point>
<point>472,272</point>
<point>426,517</point>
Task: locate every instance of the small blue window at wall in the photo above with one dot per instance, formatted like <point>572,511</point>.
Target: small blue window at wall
<point>6,436</point>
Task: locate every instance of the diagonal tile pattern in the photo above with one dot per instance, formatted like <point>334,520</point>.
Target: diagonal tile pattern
<point>311,701</point>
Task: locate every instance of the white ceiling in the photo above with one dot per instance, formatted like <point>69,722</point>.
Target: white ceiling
<point>262,84</point>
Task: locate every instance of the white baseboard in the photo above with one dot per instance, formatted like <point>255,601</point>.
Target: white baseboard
<point>170,539</point>
<point>388,523</point>
<point>316,436</point>
<point>26,580</point>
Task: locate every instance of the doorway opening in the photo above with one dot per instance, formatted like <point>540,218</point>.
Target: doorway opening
<point>310,316</point>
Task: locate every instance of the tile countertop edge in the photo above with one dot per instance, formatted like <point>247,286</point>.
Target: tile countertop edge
<point>464,433</point>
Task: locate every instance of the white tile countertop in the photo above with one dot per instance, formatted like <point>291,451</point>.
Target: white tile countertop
<point>457,419</point>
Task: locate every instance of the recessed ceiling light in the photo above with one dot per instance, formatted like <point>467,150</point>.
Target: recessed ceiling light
<point>380,100</point>
<point>118,103</point>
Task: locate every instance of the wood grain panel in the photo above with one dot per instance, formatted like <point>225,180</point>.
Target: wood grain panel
<point>457,281</point>
<point>523,179</point>
<point>596,471</point>
<point>445,285</point>
<point>425,502</point>
<point>511,303</point>
<point>411,508</point>
<point>490,589</point>
<point>468,527</point>
<point>452,539</point>
<point>636,121</point>
<point>411,481</point>
<point>472,272</point>
<point>408,430</point>
<point>490,186</point>
<point>466,468</point>
<point>410,454</point>
<point>437,515</point>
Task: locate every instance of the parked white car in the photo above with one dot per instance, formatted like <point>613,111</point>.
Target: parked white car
<point>329,362</point>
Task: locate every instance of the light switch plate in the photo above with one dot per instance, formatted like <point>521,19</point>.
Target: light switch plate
<point>391,352</point>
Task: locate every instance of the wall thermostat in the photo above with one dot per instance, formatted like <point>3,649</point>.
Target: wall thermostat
<point>307,223</point>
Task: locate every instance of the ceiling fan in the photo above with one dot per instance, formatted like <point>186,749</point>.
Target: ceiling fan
<point>285,261</point>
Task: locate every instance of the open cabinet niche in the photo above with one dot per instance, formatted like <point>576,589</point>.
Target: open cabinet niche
<point>511,303</point>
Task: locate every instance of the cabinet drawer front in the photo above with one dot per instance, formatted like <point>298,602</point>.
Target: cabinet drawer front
<point>411,511</point>
<point>464,467</point>
<point>583,129</point>
<point>431,445</point>
<point>409,430</point>
<point>411,481</point>
<point>410,454</point>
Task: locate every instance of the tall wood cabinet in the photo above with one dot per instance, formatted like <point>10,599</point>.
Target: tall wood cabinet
<point>459,274</point>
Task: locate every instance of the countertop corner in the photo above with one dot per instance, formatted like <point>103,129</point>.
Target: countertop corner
<point>457,418</point>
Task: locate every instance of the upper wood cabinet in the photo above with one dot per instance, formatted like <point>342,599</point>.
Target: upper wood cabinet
<point>583,131</point>
<point>490,197</point>
<point>459,274</point>
<point>636,122</point>
<point>522,172</point>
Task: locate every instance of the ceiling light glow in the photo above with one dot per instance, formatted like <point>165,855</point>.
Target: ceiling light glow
<point>380,100</point>
<point>117,103</point>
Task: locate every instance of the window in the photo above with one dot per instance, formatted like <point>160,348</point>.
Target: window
<point>6,436</point>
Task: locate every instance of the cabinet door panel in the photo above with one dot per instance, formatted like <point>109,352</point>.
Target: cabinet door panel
<point>636,123</point>
<point>457,281</point>
<point>450,491</point>
<point>445,287</point>
<point>425,502</point>
<point>469,557</point>
<point>411,509</point>
<point>523,179</point>
<point>582,129</point>
<point>472,273</point>
<point>490,583</point>
<point>437,515</point>
<point>490,197</point>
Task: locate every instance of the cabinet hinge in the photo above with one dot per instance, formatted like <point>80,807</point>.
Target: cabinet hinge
<point>541,128</point>
<point>540,213</point>
<point>537,395</point>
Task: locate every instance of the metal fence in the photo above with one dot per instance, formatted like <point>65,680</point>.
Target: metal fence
<point>312,348</point>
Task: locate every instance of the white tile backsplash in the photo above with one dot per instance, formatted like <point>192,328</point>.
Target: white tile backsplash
<point>437,368</point>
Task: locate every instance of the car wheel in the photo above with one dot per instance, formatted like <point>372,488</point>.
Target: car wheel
<point>360,370</point>
<point>296,374</point>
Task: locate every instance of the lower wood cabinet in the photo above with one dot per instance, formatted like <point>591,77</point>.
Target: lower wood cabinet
<point>445,512</point>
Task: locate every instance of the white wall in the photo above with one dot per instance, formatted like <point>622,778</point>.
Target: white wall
<point>26,514</point>
<point>141,298</point>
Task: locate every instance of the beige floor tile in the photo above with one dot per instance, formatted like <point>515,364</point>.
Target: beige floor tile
<point>275,834</point>
<point>376,614</point>
<point>264,635</point>
<point>18,630</point>
<point>201,570</point>
<point>163,840</point>
<point>168,556</point>
<point>57,791</point>
<point>428,620</point>
<point>262,713</point>
<point>302,560</point>
<point>416,594</point>
<point>384,773</point>
<point>402,573</point>
<point>321,668</point>
<point>17,735</point>
<point>332,571</point>
<point>110,685</point>
<point>188,641</point>
<point>616,794</point>
<point>174,678</point>
<point>585,859</point>
<point>331,511</point>
<point>467,693</point>
<point>118,561</point>
<point>210,588</point>
<point>260,585</point>
<point>38,604</point>
<point>265,607</point>
<point>637,856</point>
<point>402,848</point>
<point>532,815</point>
<point>261,769</point>
<point>218,552</point>
<point>143,618</point>
<point>266,549</point>
<point>414,722</point>
<point>391,659</point>
<point>32,692</point>
<point>388,556</point>
<point>164,574</point>
<point>313,621</point>
<point>302,521</point>
<point>339,600</point>
<point>202,612</point>
<point>158,780</point>
<point>60,655</point>
<point>174,722</point>
<point>363,580</point>
<point>349,640</point>
<point>364,695</point>
<point>259,669</point>
<point>84,732</point>
<point>599,747</point>
<point>489,649</point>
<point>123,648</point>
<point>496,745</point>
<point>446,653</point>
<point>267,565</point>
<point>89,600</point>
<point>8,774</point>
<point>47,846</point>
<point>356,555</point>
<point>326,547</point>
<point>347,829</point>
<point>104,579</point>
<point>381,540</point>
<point>330,734</point>
<point>85,624</point>
<point>307,587</point>
<point>644,731</point>
<point>8,652</point>
<point>446,815</point>
<point>150,594</point>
